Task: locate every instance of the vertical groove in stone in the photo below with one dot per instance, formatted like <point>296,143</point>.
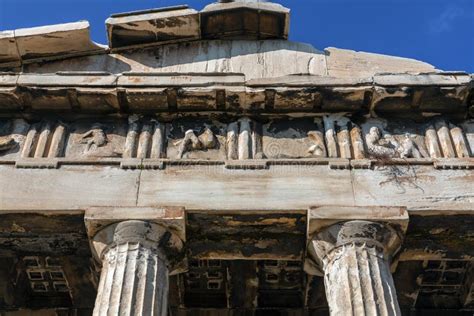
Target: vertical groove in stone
<point>57,142</point>
<point>157,146</point>
<point>42,146</point>
<point>357,143</point>
<point>142,271</point>
<point>431,140</point>
<point>100,291</point>
<point>359,282</point>
<point>131,141</point>
<point>370,300</point>
<point>460,145</point>
<point>330,135</point>
<point>445,139</point>
<point>344,141</point>
<point>245,149</point>
<point>257,146</point>
<point>130,275</point>
<point>30,140</point>
<point>232,141</point>
<point>381,307</point>
<point>355,282</point>
<point>144,141</point>
<point>134,281</point>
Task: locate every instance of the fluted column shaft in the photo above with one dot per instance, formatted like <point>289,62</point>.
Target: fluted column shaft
<point>355,259</point>
<point>134,279</point>
<point>358,281</point>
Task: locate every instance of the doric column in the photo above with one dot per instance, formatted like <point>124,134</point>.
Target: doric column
<point>136,258</point>
<point>355,257</point>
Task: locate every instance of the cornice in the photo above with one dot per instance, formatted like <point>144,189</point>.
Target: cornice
<point>107,93</point>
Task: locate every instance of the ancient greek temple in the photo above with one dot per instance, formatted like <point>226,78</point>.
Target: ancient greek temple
<point>203,164</point>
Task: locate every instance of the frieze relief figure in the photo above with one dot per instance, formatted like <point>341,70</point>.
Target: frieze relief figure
<point>94,138</point>
<point>7,143</point>
<point>191,142</point>
<point>387,146</point>
<point>318,149</point>
<point>408,148</point>
<point>12,135</point>
<point>95,142</point>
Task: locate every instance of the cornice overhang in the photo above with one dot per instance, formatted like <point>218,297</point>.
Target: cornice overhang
<point>102,92</point>
<point>46,43</point>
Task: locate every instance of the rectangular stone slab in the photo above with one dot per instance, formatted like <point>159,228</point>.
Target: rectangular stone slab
<point>100,217</point>
<point>54,40</point>
<point>416,187</point>
<point>9,55</point>
<point>320,217</point>
<point>213,187</point>
<point>137,28</point>
<point>217,188</point>
<point>68,189</point>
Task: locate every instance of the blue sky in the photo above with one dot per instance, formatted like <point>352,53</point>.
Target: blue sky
<point>440,32</point>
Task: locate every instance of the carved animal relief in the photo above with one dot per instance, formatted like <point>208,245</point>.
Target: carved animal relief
<point>192,142</point>
<point>196,140</point>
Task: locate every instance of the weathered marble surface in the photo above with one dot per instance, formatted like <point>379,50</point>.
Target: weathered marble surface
<point>153,26</point>
<point>241,141</point>
<point>255,59</point>
<point>349,63</point>
<point>135,258</point>
<point>329,136</point>
<point>8,49</point>
<point>89,139</point>
<point>355,255</point>
<point>71,189</point>
<point>12,137</point>
<point>214,187</point>
<point>47,42</point>
<point>92,92</point>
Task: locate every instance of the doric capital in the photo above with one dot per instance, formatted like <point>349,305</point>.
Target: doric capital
<point>160,230</point>
<point>145,233</point>
<point>331,228</point>
<point>384,239</point>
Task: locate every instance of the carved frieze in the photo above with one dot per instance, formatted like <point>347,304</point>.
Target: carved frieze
<point>145,138</point>
<point>12,137</point>
<point>93,139</point>
<point>45,139</point>
<point>323,137</point>
<point>196,139</point>
<point>7,143</point>
<point>434,138</point>
<point>297,138</point>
